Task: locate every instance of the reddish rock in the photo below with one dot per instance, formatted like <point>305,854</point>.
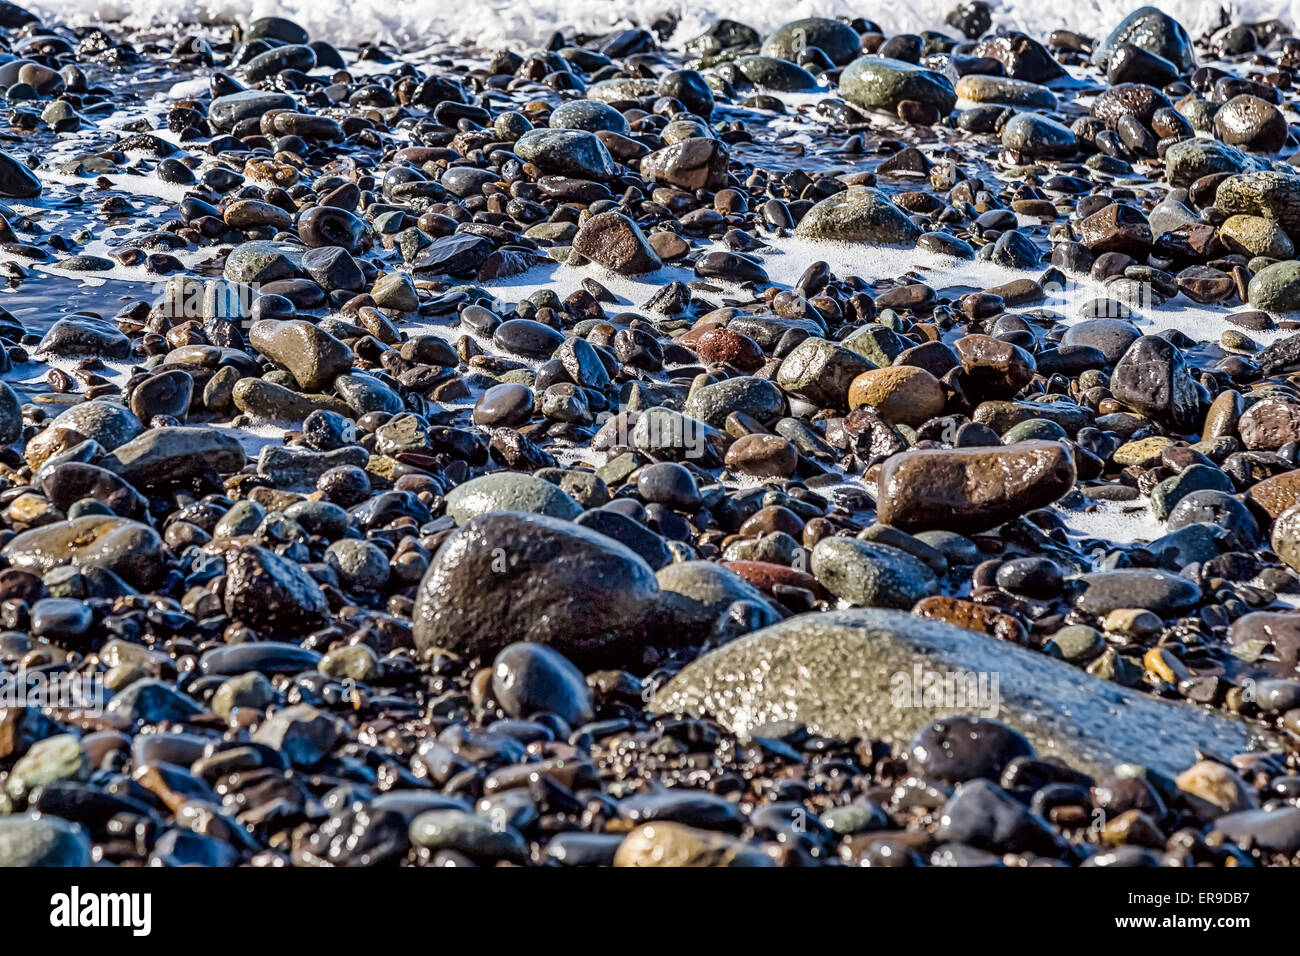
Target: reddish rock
<point>765,575</point>
<point>974,489</point>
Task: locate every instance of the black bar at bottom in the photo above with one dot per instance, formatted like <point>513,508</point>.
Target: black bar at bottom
<point>338,907</point>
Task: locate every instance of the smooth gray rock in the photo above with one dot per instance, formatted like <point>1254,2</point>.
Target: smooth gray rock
<point>1104,591</point>
<point>868,574</point>
<point>847,674</point>
<point>509,491</point>
<point>1153,30</point>
<point>1035,135</point>
<point>568,152</point>
<point>881,83</point>
<point>858,214</point>
<point>835,38</point>
<point>175,453</point>
<point>227,111</point>
<point>694,594</point>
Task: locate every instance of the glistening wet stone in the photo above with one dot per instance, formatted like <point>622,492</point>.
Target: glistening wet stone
<point>838,670</point>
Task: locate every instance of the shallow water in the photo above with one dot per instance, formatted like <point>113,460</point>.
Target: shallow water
<point>489,23</point>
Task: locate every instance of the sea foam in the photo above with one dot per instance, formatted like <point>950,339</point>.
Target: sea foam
<point>488,23</point>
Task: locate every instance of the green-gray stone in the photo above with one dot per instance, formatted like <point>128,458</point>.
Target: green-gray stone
<point>47,761</point>
<point>744,393</point>
<point>356,662</point>
<point>1272,193</point>
<point>666,434</point>
<point>251,690</point>
<point>722,35</point>
<point>568,152</point>
<point>1153,30</point>
<point>859,214</point>
<point>838,673</point>
<point>1193,478</point>
<point>853,818</point>
<point>42,840</point>
<point>981,88</point>
<point>878,344</point>
<point>589,115</point>
<point>869,574</point>
<point>585,487</point>
<point>1035,135</point>
<point>615,90</point>
<point>228,111</point>
<point>1034,429</point>
<point>1190,159</point>
<point>106,423</point>
<point>821,371</point>
<point>695,593</point>
<point>509,491</point>
<point>175,453</point>
<point>836,39</point>
<point>771,73</point>
<point>262,261</point>
<point>881,83</point>
<point>1075,643</point>
<point>1276,288</point>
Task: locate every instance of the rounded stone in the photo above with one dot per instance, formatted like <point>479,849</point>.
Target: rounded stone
<point>881,83</point>
<point>871,575</point>
<point>513,576</point>
<point>902,394</point>
<point>509,491</point>
<point>527,678</point>
<point>361,565</point>
<point>836,39</point>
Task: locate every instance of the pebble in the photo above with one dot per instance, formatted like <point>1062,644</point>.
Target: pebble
<point>871,575</point>
<point>509,555</point>
<point>924,490</point>
<point>527,678</point>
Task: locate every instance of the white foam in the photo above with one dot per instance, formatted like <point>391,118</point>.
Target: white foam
<point>486,23</point>
<point>1130,521</point>
<point>255,435</point>
<point>32,373</point>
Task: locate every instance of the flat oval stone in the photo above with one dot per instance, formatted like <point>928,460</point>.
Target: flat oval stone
<point>977,488</point>
<point>1159,591</point>
<point>265,657</point>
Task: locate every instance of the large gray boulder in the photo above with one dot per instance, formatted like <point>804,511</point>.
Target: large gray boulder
<point>854,673</point>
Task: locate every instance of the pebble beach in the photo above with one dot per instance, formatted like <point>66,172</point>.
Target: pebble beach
<point>675,444</point>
